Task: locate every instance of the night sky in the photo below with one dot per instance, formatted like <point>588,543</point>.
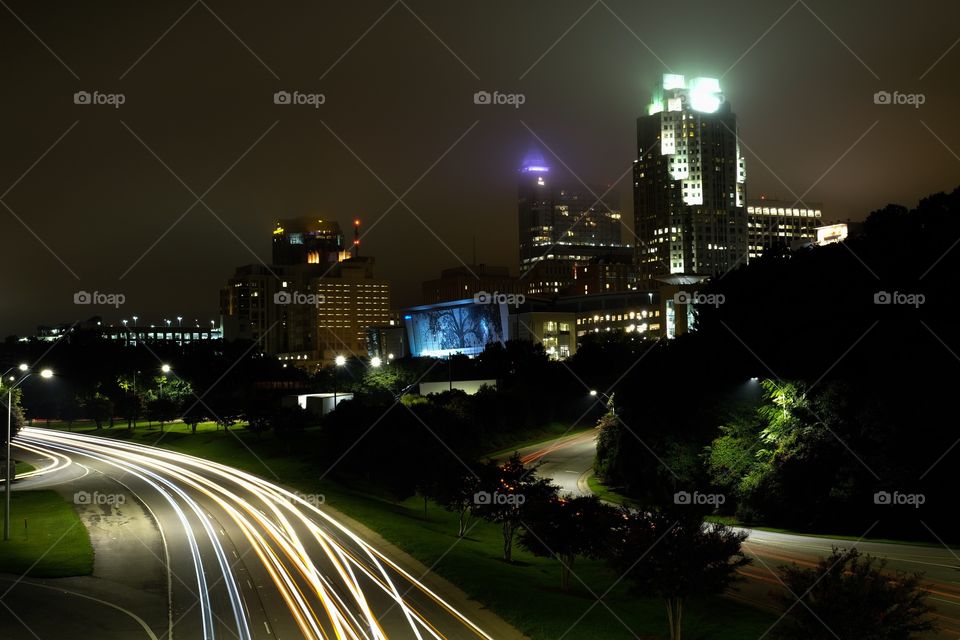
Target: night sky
<point>399,115</point>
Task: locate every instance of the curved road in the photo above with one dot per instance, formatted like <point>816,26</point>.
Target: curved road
<point>568,461</point>
<point>241,557</point>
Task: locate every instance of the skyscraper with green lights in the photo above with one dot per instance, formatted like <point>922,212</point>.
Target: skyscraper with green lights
<point>689,183</point>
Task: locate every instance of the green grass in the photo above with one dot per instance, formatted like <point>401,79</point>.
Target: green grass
<point>21,467</point>
<point>54,543</point>
<point>605,493</point>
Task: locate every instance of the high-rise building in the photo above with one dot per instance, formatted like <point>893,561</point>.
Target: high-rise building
<point>563,223</point>
<point>778,224</point>
<point>316,303</point>
<point>689,183</point>
<point>307,240</point>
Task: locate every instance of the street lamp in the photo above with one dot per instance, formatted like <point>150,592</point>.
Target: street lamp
<point>164,369</point>
<point>375,362</point>
<point>8,479</point>
<point>339,361</point>
<point>607,400</point>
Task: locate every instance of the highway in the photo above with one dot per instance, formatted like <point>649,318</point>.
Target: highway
<point>243,558</point>
<point>568,461</point>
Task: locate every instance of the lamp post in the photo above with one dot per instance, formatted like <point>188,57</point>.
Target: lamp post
<point>607,400</point>
<point>164,369</point>
<point>339,361</point>
<point>8,479</point>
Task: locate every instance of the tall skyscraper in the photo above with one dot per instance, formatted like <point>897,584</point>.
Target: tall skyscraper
<point>307,240</point>
<point>689,183</point>
<point>564,223</point>
<point>315,302</point>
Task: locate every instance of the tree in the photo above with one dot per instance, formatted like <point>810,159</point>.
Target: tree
<point>456,492</point>
<point>162,408</point>
<point>852,597</point>
<point>675,556</point>
<point>17,417</point>
<point>98,408</point>
<point>567,527</point>
<point>195,413</point>
<point>507,492</point>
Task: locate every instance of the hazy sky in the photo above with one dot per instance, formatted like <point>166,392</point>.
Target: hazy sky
<point>108,206</point>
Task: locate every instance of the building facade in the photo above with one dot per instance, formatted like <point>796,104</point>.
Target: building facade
<point>689,183</point>
<point>466,281</point>
<point>566,224</point>
<point>313,306</point>
<point>778,225</point>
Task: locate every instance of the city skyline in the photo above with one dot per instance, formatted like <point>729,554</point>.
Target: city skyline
<point>110,194</point>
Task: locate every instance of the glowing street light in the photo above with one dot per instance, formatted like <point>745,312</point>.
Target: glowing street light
<point>375,362</point>
<point>339,361</point>
<point>607,400</point>
<point>8,479</point>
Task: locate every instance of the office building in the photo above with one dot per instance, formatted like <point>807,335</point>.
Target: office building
<point>315,305</point>
<point>564,223</point>
<point>778,225</point>
<point>689,183</point>
<point>307,240</point>
<point>466,281</point>
<point>604,274</point>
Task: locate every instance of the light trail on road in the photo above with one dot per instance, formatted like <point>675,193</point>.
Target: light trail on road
<point>330,580</point>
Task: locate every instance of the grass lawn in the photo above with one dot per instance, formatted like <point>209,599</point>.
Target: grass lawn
<point>526,593</point>
<point>21,467</point>
<point>605,493</point>
<point>55,538</point>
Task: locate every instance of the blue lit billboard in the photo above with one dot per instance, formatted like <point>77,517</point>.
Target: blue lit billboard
<point>463,326</point>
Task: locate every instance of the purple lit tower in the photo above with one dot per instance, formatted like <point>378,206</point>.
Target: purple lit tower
<point>564,224</point>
